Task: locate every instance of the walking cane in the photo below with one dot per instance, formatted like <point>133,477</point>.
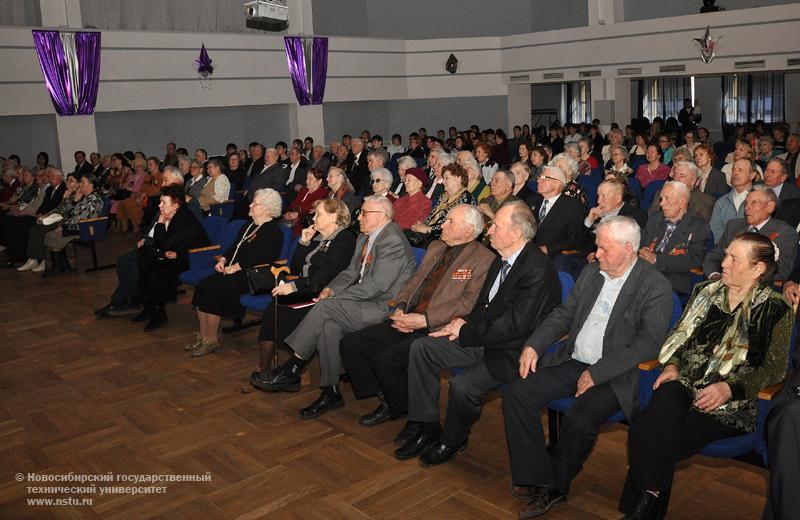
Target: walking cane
<point>276,272</point>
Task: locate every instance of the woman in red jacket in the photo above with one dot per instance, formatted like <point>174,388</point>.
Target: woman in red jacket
<point>303,204</point>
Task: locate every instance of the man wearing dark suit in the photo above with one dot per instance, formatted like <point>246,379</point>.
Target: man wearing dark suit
<point>54,193</point>
<point>758,209</point>
<point>610,203</point>
<point>617,316</point>
<point>82,166</point>
<point>701,204</point>
<point>357,298</point>
<point>256,160</point>
<point>776,175</point>
<point>520,289</point>
<point>320,160</point>
<point>445,285</point>
<point>560,218</point>
<point>273,175</point>
<point>358,171</point>
<point>343,158</point>
<point>675,238</point>
<point>296,179</point>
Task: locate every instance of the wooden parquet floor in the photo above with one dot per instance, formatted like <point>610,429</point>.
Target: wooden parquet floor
<point>102,397</point>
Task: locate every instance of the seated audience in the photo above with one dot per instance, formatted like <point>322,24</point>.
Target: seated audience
<point>559,217</point>
<point>404,163</point>
<point>731,342</point>
<point>483,154</point>
<point>667,144</point>
<point>163,254</point>
<point>356,298</point>
<point>731,205</point>
<point>57,200</point>
<point>236,174</point>
<point>324,250</point>
<point>218,187</point>
<point>10,183</point>
<point>319,161</point>
<point>454,181</point>
<point>341,189</point>
<point>653,170</point>
<point>539,158</point>
<point>476,186</point>
<point>445,285</point>
<point>701,204</point>
<point>524,152</point>
<point>273,176</point>
<point>381,181</point>
<point>639,148</point>
<point>675,238</point>
<point>502,191</point>
<point>21,216</point>
<point>569,166</point>
<point>765,149</point>
<point>586,161</point>
<point>618,162</point>
<point>522,173</point>
<point>616,317</point>
<point>615,138</point>
<point>197,180</point>
<point>520,288</point>
<point>413,207</point>
<point>297,169</point>
<point>217,296</point>
<point>759,206</point>
<point>791,155</point>
<point>712,181</point>
<point>776,176</point>
<point>743,150</point>
<point>301,209</point>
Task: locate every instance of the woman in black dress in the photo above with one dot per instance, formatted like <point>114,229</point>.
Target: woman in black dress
<point>325,249</point>
<point>163,254</point>
<point>217,296</point>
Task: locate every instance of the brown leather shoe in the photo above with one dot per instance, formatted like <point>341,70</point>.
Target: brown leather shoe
<point>524,492</point>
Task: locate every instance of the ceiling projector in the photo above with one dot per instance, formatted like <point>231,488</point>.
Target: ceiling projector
<point>267,15</point>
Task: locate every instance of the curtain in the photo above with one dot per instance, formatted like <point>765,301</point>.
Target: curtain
<point>663,97</point>
<point>70,63</point>
<point>580,102</point>
<point>750,97</point>
<point>307,59</point>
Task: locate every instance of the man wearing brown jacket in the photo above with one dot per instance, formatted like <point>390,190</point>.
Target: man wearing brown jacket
<point>445,286</point>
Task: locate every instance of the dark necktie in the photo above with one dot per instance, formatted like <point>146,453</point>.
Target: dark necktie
<point>363,259</point>
<point>543,211</point>
<point>753,229</point>
<point>671,225</point>
<point>504,268</point>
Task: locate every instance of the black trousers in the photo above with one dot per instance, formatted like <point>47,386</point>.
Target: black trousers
<point>783,449</point>
<point>376,358</point>
<point>523,400</point>
<point>127,278</point>
<point>15,235</point>
<point>666,431</point>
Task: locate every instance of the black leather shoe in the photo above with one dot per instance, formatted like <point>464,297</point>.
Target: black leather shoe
<point>543,502</point>
<point>379,415</point>
<point>102,312</point>
<point>142,316</point>
<point>325,402</point>
<point>439,453</point>
<point>416,446</point>
<point>409,431</point>
<point>158,318</point>
<point>646,507</point>
<point>276,381</point>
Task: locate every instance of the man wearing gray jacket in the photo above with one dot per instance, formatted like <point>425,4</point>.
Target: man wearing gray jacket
<point>357,298</point>
<point>617,316</point>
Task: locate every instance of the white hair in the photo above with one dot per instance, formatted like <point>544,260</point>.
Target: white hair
<point>572,164</point>
<point>471,164</point>
<point>382,174</point>
<point>472,217</point>
<point>443,158</point>
<point>408,161</point>
<point>692,167</point>
<point>270,199</point>
<point>174,173</point>
<point>679,187</point>
<point>384,203</point>
<point>624,230</point>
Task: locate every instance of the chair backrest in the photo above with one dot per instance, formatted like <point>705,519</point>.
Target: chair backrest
<point>422,162</point>
<point>214,227</point>
<point>533,185</point>
<point>635,186</point>
<point>590,186</point>
<point>107,202</point>
<point>289,244</point>
<point>636,161</point>
<point>567,283</point>
<point>650,193</point>
<point>419,254</point>
<point>677,310</point>
<point>229,235</point>
<point>222,209</point>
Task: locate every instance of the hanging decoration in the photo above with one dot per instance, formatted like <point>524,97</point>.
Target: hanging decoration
<point>70,63</point>
<point>451,65</point>
<point>307,58</point>
<point>204,68</point>
<point>708,46</point>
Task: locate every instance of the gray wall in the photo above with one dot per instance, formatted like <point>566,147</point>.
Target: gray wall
<point>546,97</point>
<point>647,9</point>
<point>26,136</point>
<point>20,13</point>
<point>406,116</point>
<point>209,128</point>
<point>418,19</point>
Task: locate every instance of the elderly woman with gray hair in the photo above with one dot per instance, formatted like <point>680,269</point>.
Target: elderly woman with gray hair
<point>570,168</point>
<point>217,296</point>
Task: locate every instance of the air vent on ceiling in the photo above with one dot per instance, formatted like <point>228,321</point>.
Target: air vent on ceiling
<point>589,73</point>
<point>520,78</point>
<point>754,64</point>
<point>630,71</point>
<point>672,68</point>
<point>793,62</point>
<point>553,75</point>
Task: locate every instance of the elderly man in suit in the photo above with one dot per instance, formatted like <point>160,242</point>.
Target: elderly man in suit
<point>445,286</point>
<point>675,238</point>
<point>559,217</point>
<point>701,204</point>
<point>274,175</point>
<point>520,289</point>
<point>358,297</point>
<point>616,316</point>
<point>358,169</point>
<point>791,156</point>
<point>759,206</point>
<point>776,176</point>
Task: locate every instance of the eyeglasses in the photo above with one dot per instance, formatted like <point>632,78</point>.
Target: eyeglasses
<point>543,176</point>
<point>366,211</point>
<point>375,181</point>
